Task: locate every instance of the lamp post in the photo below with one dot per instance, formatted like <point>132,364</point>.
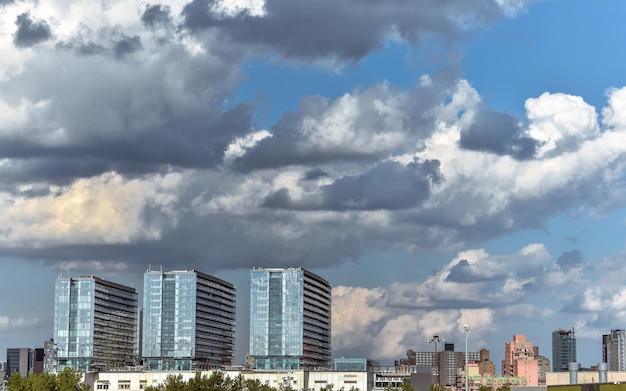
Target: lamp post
<point>466,328</point>
<point>436,339</point>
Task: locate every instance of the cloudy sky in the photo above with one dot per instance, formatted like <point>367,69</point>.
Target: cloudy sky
<point>439,162</point>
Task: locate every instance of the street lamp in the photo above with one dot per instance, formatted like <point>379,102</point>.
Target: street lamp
<point>436,339</point>
<point>466,328</point>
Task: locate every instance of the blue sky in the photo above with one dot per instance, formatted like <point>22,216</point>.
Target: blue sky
<point>439,164</point>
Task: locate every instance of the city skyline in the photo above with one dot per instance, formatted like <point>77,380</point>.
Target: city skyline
<point>438,163</point>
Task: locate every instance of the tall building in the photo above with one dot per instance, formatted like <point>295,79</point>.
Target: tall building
<point>290,319</point>
<point>188,321</point>
<point>563,349</point>
<point>613,350</point>
<point>94,324</point>
<point>519,360</point>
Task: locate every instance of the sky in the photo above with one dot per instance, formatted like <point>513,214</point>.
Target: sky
<point>440,163</point>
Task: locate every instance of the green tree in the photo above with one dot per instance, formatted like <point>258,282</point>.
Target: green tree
<point>406,386</point>
<point>505,387</point>
<point>17,382</point>
<point>43,382</point>
<point>70,380</point>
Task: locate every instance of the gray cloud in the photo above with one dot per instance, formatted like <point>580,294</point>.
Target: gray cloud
<point>389,186</point>
<point>126,46</point>
<point>570,259</point>
<point>156,15</point>
<point>347,30</point>
<point>29,32</point>
<point>498,133</point>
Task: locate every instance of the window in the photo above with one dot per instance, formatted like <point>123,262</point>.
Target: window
<point>123,385</point>
<point>102,386</point>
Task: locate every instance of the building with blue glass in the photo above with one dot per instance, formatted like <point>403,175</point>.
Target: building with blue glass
<point>95,324</point>
<point>188,321</point>
<point>290,319</point>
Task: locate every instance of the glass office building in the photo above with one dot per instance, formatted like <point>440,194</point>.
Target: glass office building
<point>95,324</point>
<point>563,349</point>
<point>290,319</point>
<point>188,321</point>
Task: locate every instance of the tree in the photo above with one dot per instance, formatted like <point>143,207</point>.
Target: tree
<point>70,380</point>
<point>485,388</point>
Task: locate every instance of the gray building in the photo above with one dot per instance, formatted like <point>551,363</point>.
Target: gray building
<point>446,364</point>
<point>290,319</point>
<point>95,324</point>
<point>613,350</point>
<point>18,360</point>
<point>188,321</point>
<point>563,349</point>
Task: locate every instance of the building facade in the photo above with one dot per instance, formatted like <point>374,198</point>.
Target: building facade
<point>519,360</point>
<point>446,364</point>
<point>188,321</point>
<point>613,350</point>
<point>290,319</point>
<point>19,360</point>
<point>95,324</point>
<point>563,349</point>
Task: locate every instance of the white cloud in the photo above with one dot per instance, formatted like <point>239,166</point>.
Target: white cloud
<point>104,209</point>
<point>7,323</point>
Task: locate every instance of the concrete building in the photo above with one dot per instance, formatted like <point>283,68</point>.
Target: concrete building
<point>19,360</point>
<point>290,319</point>
<point>94,324</point>
<point>49,359</point>
<point>543,365</point>
<point>446,363</point>
<point>614,350</point>
<point>188,321</point>
<point>563,349</point>
<point>486,367</point>
<point>519,360</point>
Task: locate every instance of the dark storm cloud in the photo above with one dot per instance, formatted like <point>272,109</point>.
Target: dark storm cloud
<point>29,32</point>
<point>391,186</point>
<point>199,142</point>
<point>570,260</point>
<point>156,15</point>
<point>126,46</point>
<point>498,133</point>
<point>345,29</point>
<point>6,2</point>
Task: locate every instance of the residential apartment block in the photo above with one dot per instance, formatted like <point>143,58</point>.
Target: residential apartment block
<point>188,321</point>
<point>519,360</point>
<point>290,319</point>
<point>95,324</point>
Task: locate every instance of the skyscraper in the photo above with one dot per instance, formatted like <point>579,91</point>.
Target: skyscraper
<point>613,350</point>
<point>188,321</point>
<point>95,324</point>
<point>563,349</point>
<point>290,319</point>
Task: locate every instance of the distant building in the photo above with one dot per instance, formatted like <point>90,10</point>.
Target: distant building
<point>38,360</point>
<point>446,363</point>
<point>19,360</point>
<point>486,367</point>
<point>188,321</point>
<point>49,360</point>
<point>614,350</point>
<point>95,324</point>
<point>519,360</point>
<point>563,349</point>
<point>543,365</point>
<point>290,319</point>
